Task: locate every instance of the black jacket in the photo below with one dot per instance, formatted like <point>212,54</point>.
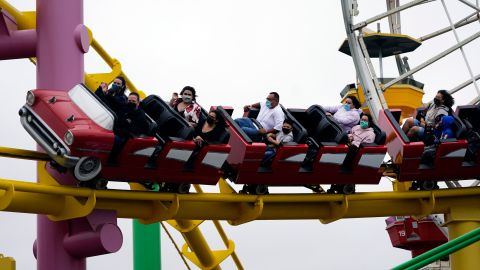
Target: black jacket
<point>133,123</point>
<point>117,103</point>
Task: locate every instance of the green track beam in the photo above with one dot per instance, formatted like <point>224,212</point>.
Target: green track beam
<point>146,246</point>
<point>440,251</point>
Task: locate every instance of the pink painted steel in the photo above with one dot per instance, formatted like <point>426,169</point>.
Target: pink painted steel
<point>60,61</point>
<point>61,44</point>
<point>15,44</point>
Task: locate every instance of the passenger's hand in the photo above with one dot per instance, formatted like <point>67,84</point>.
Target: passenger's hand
<point>328,114</point>
<point>104,87</point>
<point>271,139</point>
<point>422,122</point>
<point>262,131</point>
<point>198,140</point>
<point>246,108</point>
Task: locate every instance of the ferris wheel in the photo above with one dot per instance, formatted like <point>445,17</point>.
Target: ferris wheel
<point>363,45</point>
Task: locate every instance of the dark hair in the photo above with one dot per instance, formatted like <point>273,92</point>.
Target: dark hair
<point>369,118</point>
<point>448,100</point>
<point>124,84</point>
<point>275,95</point>
<point>191,89</point>
<point>220,120</point>
<point>355,102</point>
<point>288,121</point>
<point>135,94</point>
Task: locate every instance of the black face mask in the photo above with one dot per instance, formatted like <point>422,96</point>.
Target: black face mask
<point>131,105</point>
<point>286,130</point>
<point>437,101</point>
<point>210,120</point>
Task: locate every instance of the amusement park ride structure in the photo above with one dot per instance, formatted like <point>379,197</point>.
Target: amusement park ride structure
<point>77,223</point>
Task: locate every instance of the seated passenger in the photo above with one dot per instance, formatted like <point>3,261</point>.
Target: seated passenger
<point>186,105</point>
<point>444,128</point>
<point>359,134</point>
<point>275,140</point>
<point>134,123</point>
<point>271,118</point>
<point>442,105</point>
<point>347,114</point>
<point>114,96</point>
<point>362,133</point>
<point>211,129</point>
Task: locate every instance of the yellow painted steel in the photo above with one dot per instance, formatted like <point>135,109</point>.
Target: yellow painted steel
<point>219,254</point>
<point>7,263</point>
<point>461,220</point>
<point>23,154</point>
<point>25,197</point>
<point>399,96</point>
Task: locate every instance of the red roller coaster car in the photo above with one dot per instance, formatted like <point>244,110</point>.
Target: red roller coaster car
<point>76,130</point>
<point>315,157</point>
<point>451,159</point>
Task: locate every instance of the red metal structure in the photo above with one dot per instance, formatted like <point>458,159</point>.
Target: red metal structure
<point>418,236</point>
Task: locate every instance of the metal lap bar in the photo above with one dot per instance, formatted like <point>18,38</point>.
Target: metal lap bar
<point>432,60</point>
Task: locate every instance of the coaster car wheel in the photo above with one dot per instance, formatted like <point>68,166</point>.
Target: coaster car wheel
<point>87,168</point>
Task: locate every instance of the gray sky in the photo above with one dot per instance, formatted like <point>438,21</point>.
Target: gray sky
<point>234,53</point>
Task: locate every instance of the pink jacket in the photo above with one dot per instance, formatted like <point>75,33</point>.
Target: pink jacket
<point>359,135</point>
<point>346,119</point>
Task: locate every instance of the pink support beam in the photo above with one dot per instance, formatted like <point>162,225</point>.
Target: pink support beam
<point>15,44</point>
<point>62,39</point>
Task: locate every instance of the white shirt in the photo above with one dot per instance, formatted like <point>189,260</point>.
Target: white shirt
<point>271,118</point>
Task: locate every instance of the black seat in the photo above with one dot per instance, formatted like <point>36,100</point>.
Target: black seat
<point>380,135</point>
<point>324,129</point>
<point>300,133</point>
<point>169,122</point>
<point>252,114</point>
<point>459,129</point>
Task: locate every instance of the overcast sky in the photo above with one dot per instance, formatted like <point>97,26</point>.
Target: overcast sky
<point>234,53</point>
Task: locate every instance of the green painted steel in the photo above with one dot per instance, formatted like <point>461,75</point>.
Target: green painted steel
<point>146,246</point>
<point>441,251</point>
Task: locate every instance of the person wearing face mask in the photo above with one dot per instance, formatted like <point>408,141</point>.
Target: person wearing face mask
<point>133,123</point>
<point>186,105</point>
<point>270,116</point>
<point>114,96</point>
<point>275,140</point>
<point>442,104</point>
<point>210,129</point>
<point>359,134</point>
<point>362,133</point>
<point>347,114</point>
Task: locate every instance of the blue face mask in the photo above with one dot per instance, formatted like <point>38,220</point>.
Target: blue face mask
<point>268,104</point>
<point>364,124</point>
<point>346,107</point>
<point>115,88</point>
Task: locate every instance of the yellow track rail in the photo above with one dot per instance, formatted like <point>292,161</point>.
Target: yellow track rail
<point>61,202</point>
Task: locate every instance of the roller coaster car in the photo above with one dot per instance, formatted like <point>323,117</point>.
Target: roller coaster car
<point>247,158</point>
<point>314,158</point>
<point>77,131</point>
<point>328,149</point>
<point>448,162</point>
